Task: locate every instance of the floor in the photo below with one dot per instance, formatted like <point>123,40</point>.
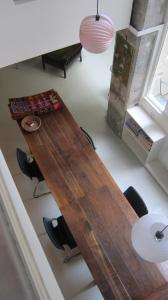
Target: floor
<point>85,92</point>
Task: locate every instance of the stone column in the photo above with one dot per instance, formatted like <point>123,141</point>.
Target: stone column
<point>132,57</point>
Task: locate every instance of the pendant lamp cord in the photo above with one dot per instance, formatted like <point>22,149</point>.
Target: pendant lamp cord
<point>159,234</point>
<point>97,15</point>
<point>164,229</point>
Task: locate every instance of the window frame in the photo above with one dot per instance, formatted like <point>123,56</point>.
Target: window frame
<point>147,100</point>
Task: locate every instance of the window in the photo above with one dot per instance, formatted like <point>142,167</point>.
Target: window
<point>155,98</point>
<point>158,92</point>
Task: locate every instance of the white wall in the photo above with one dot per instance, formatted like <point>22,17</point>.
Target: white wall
<point>34,258</point>
<point>40,26</point>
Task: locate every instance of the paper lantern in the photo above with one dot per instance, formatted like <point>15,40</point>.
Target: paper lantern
<point>96,33</point>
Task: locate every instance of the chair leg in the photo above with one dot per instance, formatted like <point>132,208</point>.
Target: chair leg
<point>64,72</point>
<point>35,194</point>
<point>70,253</point>
<point>80,57</point>
<point>43,63</point>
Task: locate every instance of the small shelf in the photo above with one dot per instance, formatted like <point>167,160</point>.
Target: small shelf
<point>132,142</point>
<point>145,138</point>
<point>137,140</point>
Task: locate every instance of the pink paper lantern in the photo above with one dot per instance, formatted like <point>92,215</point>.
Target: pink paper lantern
<point>96,35</point>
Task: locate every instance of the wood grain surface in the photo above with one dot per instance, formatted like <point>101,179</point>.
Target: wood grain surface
<point>97,213</point>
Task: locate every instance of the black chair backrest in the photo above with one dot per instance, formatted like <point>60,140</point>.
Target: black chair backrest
<point>23,163</point>
<point>53,233</point>
<point>136,201</point>
<point>67,235</point>
<point>87,135</point>
<point>30,169</point>
<point>59,235</point>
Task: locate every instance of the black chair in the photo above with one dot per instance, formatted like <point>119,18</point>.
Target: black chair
<point>87,135</point>
<point>30,169</point>
<point>61,236</point>
<point>136,201</point>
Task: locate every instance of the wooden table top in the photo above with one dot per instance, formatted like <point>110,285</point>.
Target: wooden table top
<point>98,215</point>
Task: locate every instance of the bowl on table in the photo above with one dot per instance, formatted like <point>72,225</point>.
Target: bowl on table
<point>31,123</point>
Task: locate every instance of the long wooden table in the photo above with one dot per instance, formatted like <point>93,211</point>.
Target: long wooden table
<point>97,213</point>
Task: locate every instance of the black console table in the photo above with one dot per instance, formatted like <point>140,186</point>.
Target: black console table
<point>61,58</point>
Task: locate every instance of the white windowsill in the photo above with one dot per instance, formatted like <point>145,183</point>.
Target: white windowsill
<point>155,113</point>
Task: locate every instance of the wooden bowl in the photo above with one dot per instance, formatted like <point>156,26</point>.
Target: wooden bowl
<point>31,123</point>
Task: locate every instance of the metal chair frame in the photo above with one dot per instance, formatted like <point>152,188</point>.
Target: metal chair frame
<point>70,253</point>
<point>30,169</point>
<point>35,194</point>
